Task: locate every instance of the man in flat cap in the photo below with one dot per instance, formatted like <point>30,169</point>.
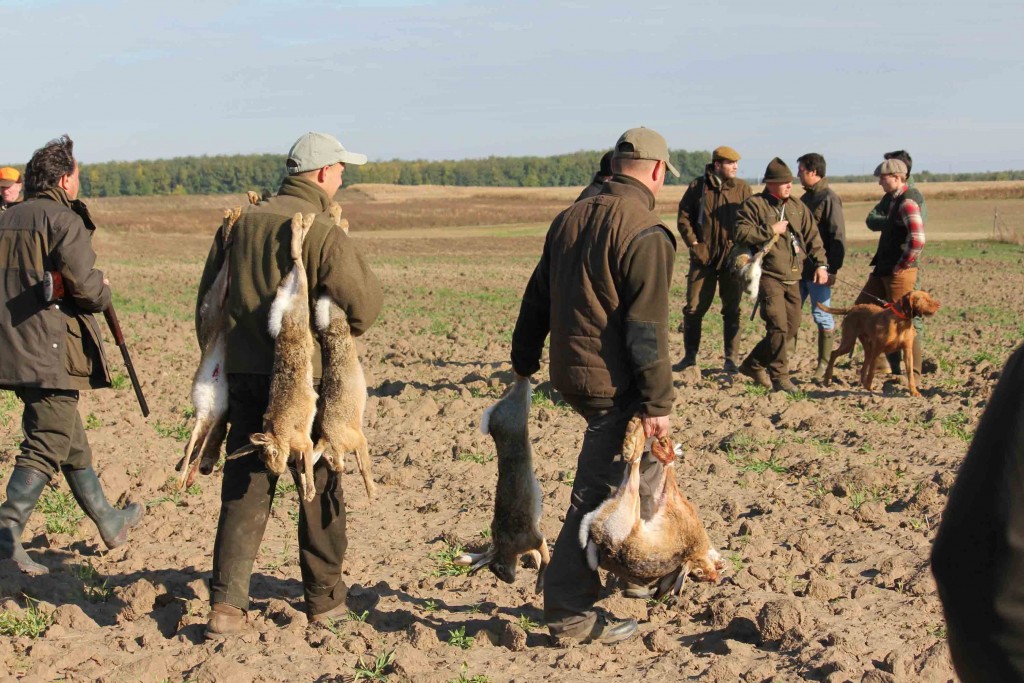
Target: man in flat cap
<point>775,215</point>
<point>258,263</point>
<point>707,216</point>
<point>603,175</point>
<point>899,248</point>
<point>601,291</point>
<point>10,187</point>
<point>827,209</point>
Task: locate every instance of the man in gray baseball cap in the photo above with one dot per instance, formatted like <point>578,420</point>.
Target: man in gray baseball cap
<point>317,150</point>
<point>336,269</point>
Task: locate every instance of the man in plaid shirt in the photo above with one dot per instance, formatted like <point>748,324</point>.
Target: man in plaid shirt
<point>899,249</point>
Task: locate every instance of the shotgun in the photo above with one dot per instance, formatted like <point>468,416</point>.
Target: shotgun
<point>53,290</point>
<point>115,329</point>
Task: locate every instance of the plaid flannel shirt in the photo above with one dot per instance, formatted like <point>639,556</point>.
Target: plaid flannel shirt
<point>910,215</point>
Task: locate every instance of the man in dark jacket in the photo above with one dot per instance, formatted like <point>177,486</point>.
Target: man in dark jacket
<point>258,259</point>
<point>707,214</point>
<point>52,348</point>
<point>978,556</point>
<point>601,290</point>
<point>827,210</point>
<point>775,214</point>
<point>603,175</point>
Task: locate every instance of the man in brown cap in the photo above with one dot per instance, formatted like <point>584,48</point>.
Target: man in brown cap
<point>707,215</point>
<point>10,187</point>
<point>774,214</point>
<point>601,291</point>
<point>899,248</point>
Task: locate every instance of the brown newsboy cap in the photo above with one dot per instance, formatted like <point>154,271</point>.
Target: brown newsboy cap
<point>777,172</point>
<point>724,153</point>
<point>891,167</point>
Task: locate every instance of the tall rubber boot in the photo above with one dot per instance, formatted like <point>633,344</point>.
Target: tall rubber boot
<point>23,490</point>
<point>691,341</point>
<point>791,355</point>
<point>825,340</point>
<point>112,523</point>
<point>731,343</point>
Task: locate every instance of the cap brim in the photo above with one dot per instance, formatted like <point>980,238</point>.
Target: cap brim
<point>353,158</point>
<point>672,168</point>
<point>8,183</point>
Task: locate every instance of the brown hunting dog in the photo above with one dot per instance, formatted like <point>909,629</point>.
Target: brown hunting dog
<point>882,330</point>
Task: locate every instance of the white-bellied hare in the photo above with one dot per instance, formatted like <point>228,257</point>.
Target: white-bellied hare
<point>288,421</point>
<point>644,551</point>
<point>515,528</point>
<point>339,418</point>
<point>210,383</point>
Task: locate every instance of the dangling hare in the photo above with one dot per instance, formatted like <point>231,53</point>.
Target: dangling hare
<point>292,407</point>
<point>210,384</point>
<point>518,500</point>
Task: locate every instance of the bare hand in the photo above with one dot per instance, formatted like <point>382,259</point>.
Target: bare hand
<point>655,426</point>
<point>821,276</point>
<point>780,227</point>
<point>106,282</point>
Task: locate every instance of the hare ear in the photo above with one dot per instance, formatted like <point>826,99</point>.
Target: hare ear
<point>263,441</point>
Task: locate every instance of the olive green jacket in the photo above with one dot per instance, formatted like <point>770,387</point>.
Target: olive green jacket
<point>50,345</point>
<point>258,256</point>
<point>783,261</point>
<point>707,213</point>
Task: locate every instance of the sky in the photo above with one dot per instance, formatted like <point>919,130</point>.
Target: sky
<point>450,80</point>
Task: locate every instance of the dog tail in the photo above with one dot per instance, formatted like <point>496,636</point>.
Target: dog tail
<point>834,311</point>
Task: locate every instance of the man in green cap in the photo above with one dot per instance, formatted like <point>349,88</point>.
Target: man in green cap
<point>707,215</point>
<point>51,348</point>
<point>774,215</point>
<point>257,263</point>
<point>601,291</point>
<point>827,209</point>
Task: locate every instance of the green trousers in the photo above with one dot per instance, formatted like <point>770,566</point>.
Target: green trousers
<point>780,310</point>
<point>247,494</point>
<point>54,435</point>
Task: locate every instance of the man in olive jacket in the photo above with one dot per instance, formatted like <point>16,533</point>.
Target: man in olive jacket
<point>51,347</point>
<point>601,290</point>
<point>258,257</point>
<point>707,214</point>
<point>762,217</point>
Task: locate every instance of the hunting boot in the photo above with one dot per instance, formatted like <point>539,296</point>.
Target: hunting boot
<point>752,369</point>
<point>691,341</point>
<point>23,490</point>
<point>784,384</point>
<point>825,339</point>
<point>791,353</point>
<point>731,343</point>
<point>112,523</point>
<point>895,361</point>
<point>225,621</point>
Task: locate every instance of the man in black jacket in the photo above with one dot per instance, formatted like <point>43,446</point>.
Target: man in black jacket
<point>52,348</point>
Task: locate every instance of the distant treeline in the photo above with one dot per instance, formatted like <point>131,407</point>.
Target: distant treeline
<point>222,174</point>
<point>238,173</point>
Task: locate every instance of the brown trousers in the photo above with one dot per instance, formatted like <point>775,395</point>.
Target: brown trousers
<point>780,310</point>
<point>247,494</point>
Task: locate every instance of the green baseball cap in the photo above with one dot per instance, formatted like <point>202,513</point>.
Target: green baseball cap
<point>643,143</point>
<point>316,150</point>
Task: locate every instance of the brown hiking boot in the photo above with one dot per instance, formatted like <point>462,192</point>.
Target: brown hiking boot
<point>363,602</point>
<point>755,372</point>
<point>784,384</point>
<point>225,621</point>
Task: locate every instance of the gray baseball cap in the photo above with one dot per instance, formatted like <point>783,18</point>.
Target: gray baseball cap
<point>643,143</point>
<point>316,150</point>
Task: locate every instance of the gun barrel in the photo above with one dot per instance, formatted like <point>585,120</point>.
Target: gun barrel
<point>115,329</point>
